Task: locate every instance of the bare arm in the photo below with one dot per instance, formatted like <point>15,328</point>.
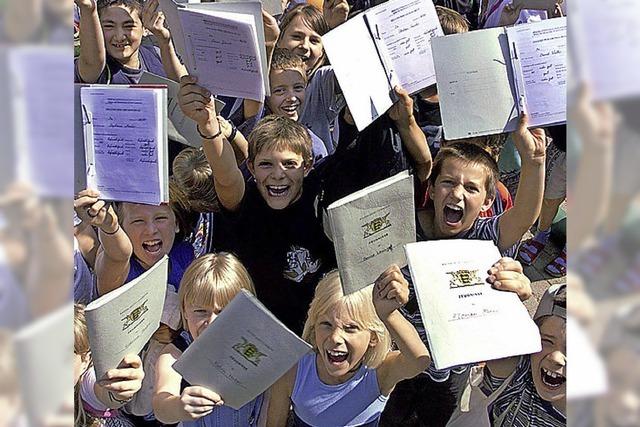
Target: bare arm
<point>93,56</point>
<point>112,260</point>
<point>514,223</point>
<point>280,399</point>
<point>238,141</point>
<point>169,404</point>
<point>391,291</point>
<point>196,102</point>
<point>153,20</point>
<point>412,136</point>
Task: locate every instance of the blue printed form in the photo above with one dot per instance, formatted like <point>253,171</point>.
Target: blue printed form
<point>126,142</point>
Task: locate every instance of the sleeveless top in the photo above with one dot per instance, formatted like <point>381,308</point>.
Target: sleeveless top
<point>357,402</point>
<point>180,257</point>
<point>222,416</point>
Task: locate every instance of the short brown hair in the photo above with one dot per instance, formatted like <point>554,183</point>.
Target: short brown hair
<point>491,143</point>
<point>313,18</point>
<point>280,133</point>
<point>451,21</point>
<point>193,174</point>
<point>470,154</point>
<point>285,60</point>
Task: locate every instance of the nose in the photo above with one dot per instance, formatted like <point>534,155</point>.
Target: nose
<point>336,336</point>
<point>305,44</point>
<point>278,172</point>
<point>151,228</point>
<point>558,358</point>
<point>458,192</point>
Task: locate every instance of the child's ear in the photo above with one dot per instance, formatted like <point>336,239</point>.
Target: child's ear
<point>251,169</point>
<point>373,340</point>
<point>488,202</point>
<point>307,169</point>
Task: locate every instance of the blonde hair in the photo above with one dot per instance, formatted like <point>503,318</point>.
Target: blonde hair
<point>286,60</point>
<point>193,174</point>
<point>80,347</point>
<point>359,306</point>
<point>212,281</point>
<point>280,133</point>
<point>451,21</point>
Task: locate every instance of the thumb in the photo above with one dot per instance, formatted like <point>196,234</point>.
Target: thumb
<point>523,123</point>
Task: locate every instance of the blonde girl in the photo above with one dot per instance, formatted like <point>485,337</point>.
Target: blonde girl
<point>346,381</point>
<point>97,402</point>
<point>207,286</point>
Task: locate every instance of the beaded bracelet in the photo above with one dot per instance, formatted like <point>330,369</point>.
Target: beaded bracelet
<point>113,232</point>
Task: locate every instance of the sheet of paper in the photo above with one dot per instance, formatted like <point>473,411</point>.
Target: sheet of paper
<point>43,361</point>
<point>222,51</point>
<point>360,73</point>
<point>608,58</point>
<point>272,7</point>
<point>123,162</point>
<point>122,321</point>
<point>242,353</point>
<point>44,152</point>
<point>474,76</point>
<point>369,229</point>
<point>539,50</point>
<point>405,28</point>
<point>467,320</point>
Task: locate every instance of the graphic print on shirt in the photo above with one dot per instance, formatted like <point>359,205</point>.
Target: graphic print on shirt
<point>299,263</point>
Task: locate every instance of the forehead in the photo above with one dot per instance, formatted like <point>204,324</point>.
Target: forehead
<point>275,155</point>
<point>119,13</point>
<point>283,77</point>
<point>300,25</point>
<point>554,326</point>
<point>139,210</point>
<point>469,170</point>
<point>339,311</point>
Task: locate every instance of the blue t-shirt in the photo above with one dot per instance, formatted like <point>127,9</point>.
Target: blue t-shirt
<point>357,402</point>
<point>180,258</point>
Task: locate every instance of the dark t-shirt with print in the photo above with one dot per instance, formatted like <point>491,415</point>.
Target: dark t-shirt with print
<point>285,251</point>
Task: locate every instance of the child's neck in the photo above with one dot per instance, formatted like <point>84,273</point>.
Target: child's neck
<point>560,406</point>
<point>133,62</point>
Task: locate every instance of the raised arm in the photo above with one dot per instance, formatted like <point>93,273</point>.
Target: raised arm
<point>507,275</point>
<point>112,260</point>
<point>196,103</point>
<point>391,292</point>
<point>93,53</point>
<point>170,405</point>
<point>412,136</point>
<point>280,399</point>
<point>153,20</point>
<point>514,223</point>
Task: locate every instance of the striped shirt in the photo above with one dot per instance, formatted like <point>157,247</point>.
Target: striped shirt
<point>523,405</point>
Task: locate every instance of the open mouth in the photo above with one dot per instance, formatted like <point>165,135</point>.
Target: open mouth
<point>453,214</point>
<point>152,246</point>
<point>290,110</point>
<point>278,190</point>
<point>552,380</point>
<point>120,45</point>
<point>337,356</point>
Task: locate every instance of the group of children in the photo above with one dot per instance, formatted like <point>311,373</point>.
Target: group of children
<point>246,213</point>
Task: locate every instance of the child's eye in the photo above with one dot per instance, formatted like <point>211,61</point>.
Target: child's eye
<point>278,92</point>
<point>299,88</point>
<point>351,328</point>
<point>137,222</point>
<point>316,40</point>
<point>472,189</point>
<point>291,165</point>
<point>264,164</point>
<point>325,324</point>
<point>162,218</point>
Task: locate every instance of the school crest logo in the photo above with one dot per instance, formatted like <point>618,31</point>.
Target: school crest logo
<point>249,351</point>
<point>376,225</point>
<point>300,263</point>
<point>463,278</point>
<point>134,315</point>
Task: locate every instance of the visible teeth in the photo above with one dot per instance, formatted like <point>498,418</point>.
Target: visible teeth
<point>336,353</point>
<point>552,374</point>
<point>153,242</point>
<point>454,207</point>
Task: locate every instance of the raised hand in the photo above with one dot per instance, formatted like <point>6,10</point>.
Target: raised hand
<point>88,5</point>
<point>198,402</point>
<point>94,211</point>
<point>271,29</point>
<point>390,292</point>
<point>153,20</point>
<point>402,110</point>
<point>197,104</point>
<point>530,143</point>
<point>125,381</point>
<point>507,275</point>
<point>335,12</point>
